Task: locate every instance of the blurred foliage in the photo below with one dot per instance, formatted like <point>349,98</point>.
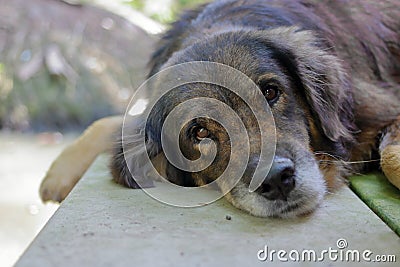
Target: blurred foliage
<point>164,11</point>
<point>47,101</point>
<point>137,4</point>
<point>64,64</point>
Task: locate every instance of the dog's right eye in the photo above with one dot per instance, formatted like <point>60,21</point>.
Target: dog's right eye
<point>271,92</point>
<point>270,89</point>
<point>201,133</point>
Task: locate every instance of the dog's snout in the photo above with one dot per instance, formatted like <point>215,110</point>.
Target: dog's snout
<point>280,180</point>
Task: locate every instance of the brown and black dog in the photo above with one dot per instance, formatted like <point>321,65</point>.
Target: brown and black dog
<point>330,72</point>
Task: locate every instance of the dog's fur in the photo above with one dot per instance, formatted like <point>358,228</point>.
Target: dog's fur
<point>337,69</point>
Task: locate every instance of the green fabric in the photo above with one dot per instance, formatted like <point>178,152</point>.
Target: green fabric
<point>381,196</point>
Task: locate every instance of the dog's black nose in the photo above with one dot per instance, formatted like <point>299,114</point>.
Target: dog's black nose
<point>280,179</point>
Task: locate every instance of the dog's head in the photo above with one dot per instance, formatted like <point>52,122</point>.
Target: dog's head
<point>312,107</point>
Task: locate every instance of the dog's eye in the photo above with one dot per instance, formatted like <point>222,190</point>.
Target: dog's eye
<point>271,92</point>
<point>200,133</point>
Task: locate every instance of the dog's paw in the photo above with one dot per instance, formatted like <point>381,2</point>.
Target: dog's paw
<point>55,187</point>
<point>65,172</point>
<point>390,163</point>
<point>75,159</point>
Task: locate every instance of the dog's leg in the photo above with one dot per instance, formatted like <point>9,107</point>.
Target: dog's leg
<point>389,149</point>
<point>74,160</point>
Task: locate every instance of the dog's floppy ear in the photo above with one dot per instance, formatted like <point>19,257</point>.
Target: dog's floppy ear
<point>324,81</point>
<point>129,163</point>
<point>172,39</point>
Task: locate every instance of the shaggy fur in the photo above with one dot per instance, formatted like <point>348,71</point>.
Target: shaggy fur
<point>336,68</point>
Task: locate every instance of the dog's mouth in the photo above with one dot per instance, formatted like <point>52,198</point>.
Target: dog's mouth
<point>286,206</point>
<point>294,207</point>
<point>290,207</point>
<point>306,193</point>
<point>299,207</point>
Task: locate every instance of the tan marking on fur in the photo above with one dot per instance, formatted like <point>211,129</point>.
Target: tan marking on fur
<point>332,169</point>
<point>268,76</point>
<point>316,138</point>
<point>390,153</point>
<point>160,164</point>
<point>333,172</point>
<point>315,133</point>
<point>72,163</point>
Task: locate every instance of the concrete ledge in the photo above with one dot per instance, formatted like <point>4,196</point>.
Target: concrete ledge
<point>104,224</point>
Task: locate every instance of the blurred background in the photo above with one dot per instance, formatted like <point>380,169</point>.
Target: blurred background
<point>63,64</point>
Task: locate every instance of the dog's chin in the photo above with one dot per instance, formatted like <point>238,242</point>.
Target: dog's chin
<point>258,205</point>
<point>304,199</point>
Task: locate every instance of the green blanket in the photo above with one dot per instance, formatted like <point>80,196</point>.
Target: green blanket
<point>382,197</point>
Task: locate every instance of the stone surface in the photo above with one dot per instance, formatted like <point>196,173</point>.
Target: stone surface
<point>103,224</point>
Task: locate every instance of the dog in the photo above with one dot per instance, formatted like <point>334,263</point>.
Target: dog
<point>329,72</point>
